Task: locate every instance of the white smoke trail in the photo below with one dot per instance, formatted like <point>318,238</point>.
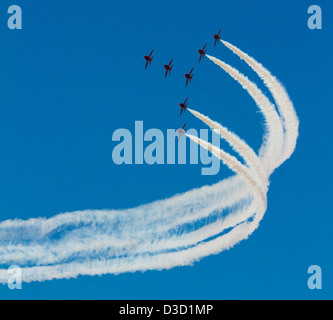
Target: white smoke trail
<point>56,257</point>
<point>42,254</point>
<point>281,97</point>
<point>239,146</point>
<point>274,125</point>
<point>84,242</point>
<point>234,165</point>
<point>227,192</point>
<point>173,232</point>
<point>163,261</point>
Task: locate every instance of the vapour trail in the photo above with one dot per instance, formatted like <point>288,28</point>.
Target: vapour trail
<point>239,146</point>
<point>234,165</point>
<point>157,236</point>
<point>290,120</point>
<point>232,162</point>
<point>274,123</point>
<point>238,167</point>
<point>40,254</point>
<point>92,267</point>
<point>221,195</point>
<point>282,99</point>
<point>277,126</point>
<point>228,191</point>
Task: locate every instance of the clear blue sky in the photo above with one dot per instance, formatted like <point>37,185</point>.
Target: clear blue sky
<point>75,73</point>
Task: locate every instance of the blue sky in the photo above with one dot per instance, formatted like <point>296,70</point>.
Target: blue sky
<point>75,73</point>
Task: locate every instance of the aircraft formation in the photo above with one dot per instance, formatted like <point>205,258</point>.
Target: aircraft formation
<point>189,76</point>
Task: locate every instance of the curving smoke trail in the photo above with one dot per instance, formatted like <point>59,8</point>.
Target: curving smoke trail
<point>235,166</point>
<point>281,97</point>
<point>239,146</point>
<point>164,234</point>
<point>273,139</point>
